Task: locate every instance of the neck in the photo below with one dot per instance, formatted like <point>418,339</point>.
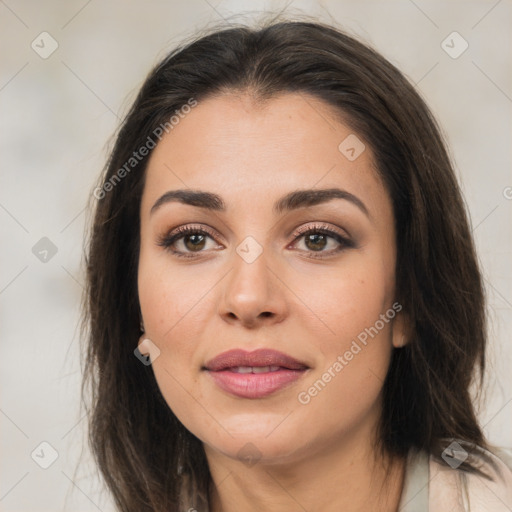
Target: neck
<point>340,476</point>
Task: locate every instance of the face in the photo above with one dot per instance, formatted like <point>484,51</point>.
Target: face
<point>312,277</point>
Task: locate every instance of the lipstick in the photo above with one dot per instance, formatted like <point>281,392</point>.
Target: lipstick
<point>254,374</point>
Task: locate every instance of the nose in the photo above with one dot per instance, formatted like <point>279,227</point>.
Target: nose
<point>253,294</point>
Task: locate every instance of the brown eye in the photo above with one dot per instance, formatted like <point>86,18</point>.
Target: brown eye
<point>317,238</point>
<point>193,240</point>
<point>316,241</point>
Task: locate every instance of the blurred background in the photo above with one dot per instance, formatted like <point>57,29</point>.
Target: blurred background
<point>70,71</point>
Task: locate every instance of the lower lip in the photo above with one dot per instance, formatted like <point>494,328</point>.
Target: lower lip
<point>255,385</point>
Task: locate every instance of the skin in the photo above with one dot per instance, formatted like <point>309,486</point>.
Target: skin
<point>310,308</point>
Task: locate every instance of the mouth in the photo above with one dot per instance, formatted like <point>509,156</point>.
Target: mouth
<point>262,358</point>
<point>254,374</point>
<point>255,369</point>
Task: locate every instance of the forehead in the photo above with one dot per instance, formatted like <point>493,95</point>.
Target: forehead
<point>240,149</point>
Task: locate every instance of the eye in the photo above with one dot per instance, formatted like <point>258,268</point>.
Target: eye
<point>316,239</point>
<point>192,238</point>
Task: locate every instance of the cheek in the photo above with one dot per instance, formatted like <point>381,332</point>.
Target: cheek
<point>175,311</point>
<point>346,300</point>
<point>171,298</point>
<point>355,307</point>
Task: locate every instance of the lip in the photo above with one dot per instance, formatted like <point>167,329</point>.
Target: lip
<point>260,357</point>
<point>254,385</point>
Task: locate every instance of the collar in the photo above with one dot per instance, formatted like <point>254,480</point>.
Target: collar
<point>415,490</point>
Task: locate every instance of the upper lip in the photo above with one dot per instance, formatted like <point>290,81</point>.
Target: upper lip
<point>260,357</point>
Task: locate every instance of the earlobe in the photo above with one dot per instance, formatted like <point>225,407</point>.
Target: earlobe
<point>401,342</point>
<point>147,349</point>
<point>143,345</point>
<point>402,330</point>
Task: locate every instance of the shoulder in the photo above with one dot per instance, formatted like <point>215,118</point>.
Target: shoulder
<point>455,490</point>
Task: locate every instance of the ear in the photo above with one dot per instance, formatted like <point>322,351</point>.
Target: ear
<point>147,348</point>
<point>143,345</point>
<point>402,329</point>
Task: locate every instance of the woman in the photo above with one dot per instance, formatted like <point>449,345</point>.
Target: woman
<point>284,305</point>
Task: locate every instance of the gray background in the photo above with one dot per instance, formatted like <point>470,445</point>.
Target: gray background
<point>57,117</point>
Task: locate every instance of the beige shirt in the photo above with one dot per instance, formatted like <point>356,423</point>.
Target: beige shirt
<point>432,486</point>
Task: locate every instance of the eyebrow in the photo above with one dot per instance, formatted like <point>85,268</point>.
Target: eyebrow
<point>291,201</point>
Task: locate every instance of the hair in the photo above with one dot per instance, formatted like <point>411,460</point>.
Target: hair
<point>141,448</point>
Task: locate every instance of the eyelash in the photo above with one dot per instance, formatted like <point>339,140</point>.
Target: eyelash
<point>169,239</point>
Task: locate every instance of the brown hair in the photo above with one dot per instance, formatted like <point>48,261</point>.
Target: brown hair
<point>140,446</point>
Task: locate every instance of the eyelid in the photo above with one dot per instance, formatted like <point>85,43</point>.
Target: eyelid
<point>319,227</point>
<point>192,228</point>
<point>298,231</point>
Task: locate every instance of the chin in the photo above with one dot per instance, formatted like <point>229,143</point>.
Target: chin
<point>250,450</point>
<point>263,442</point>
